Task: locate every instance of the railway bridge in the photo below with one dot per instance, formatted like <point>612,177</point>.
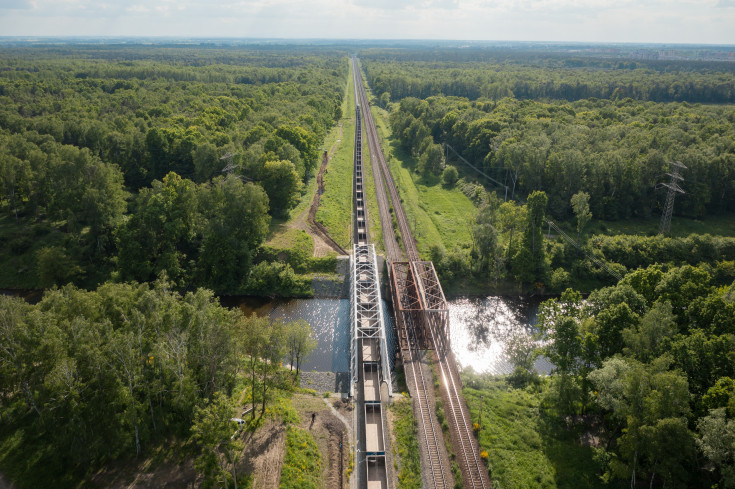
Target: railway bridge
<point>422,324</point>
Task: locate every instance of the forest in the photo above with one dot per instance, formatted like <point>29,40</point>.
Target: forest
<point>601,151</point>
<point>648,366</point>
<point>140,183</point>
<point>531,73</point>
<point>130,161</point>
<point>87,377</point>
<point>642,391</point>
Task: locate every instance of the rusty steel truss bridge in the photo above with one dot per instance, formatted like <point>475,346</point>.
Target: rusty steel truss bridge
<point>422,320</point>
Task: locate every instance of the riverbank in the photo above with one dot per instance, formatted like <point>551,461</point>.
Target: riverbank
<point>524,444</point>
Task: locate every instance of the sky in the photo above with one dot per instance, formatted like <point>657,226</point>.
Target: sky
<point>648,21</point>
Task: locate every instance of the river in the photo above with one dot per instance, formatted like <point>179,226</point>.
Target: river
<point>480,328</point>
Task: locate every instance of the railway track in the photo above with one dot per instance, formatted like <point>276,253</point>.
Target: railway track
<point>475,475</point>
<point>474,471</point>
<point>393,250</point>
<point>433,441</point>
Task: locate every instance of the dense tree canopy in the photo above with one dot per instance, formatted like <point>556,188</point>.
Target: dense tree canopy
<point>615,151</point>
<point>170,130</point>
<point>659,375</point>
<point>90,376</point>
<point>536,74</point>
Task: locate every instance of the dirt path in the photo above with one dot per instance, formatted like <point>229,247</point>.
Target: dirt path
<point>264,455</point>
<point>321,246</point>
<point>330,434</point>
<point>323,242</point>
<point>317,227</point>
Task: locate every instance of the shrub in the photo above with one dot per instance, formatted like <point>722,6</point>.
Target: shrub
<point>302,464</point>
<point>55,267</point>
<point>559,279</point>
<point>277,279</point>
<point>450,176</point>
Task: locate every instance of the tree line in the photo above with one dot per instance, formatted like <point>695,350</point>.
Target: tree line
<point>616,151</point>
<point>130,161</point>
<point>91,376</point>
<point>533,76</point>
<point>510,245</point>
<point>651,359</point>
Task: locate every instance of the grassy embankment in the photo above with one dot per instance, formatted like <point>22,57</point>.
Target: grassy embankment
<point>302,462</point>
<point>527,446</point>
<point>335,209</point>
<point>436,214</point>
<point>406,445</point>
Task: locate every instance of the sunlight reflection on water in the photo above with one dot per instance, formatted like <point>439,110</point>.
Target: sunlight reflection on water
<point>330,321</point>
<point>480,328</point>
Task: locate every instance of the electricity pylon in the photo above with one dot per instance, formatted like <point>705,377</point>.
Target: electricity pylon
<point>674,189</point>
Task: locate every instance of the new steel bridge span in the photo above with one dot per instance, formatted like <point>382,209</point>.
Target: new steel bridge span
<point>422,323</point>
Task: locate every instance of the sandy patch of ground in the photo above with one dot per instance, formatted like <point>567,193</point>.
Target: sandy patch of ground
<point>331,435</point>
<point>264,455</point>
<point>169,475</point>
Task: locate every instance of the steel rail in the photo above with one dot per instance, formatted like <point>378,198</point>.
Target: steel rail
<point>365,291</point>
<point>376,152</point>
<point>393,251</point>
<point>432,440</point>
<point>474,468</point>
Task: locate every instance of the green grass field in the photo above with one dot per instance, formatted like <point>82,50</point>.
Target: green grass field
<point>723,225</point>
<point>406,447</point>
<point>335,209</point>
<point>527,447</point>
<point>436,214</point>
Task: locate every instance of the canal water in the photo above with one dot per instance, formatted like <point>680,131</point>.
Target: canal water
<point>480,329</point>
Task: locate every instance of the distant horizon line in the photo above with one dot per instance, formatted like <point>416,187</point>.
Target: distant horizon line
<point>30,37</point>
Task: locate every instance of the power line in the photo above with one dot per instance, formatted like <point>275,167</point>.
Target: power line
<point>478,170</point>
<point>674,189</point>
<point>551,224</point>
<point>589,255</point>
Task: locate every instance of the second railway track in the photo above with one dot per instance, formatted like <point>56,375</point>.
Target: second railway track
<point>474,472</point>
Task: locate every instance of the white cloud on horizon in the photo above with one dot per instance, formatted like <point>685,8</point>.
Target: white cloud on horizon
<point>686,21</point>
